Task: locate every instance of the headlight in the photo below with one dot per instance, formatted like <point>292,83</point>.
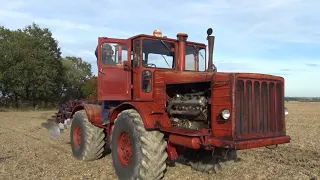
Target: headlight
<point>286,111</point>
<point>225,114</point>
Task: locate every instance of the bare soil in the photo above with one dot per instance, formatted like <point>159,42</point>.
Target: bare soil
<point>27,152</point>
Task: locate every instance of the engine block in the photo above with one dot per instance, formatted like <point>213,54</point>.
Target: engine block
<point>189,106</point>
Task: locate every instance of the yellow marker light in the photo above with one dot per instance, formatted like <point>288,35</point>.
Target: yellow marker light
<point>157,33</point>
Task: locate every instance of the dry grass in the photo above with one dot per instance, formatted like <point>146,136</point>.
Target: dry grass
<point>26,152</point>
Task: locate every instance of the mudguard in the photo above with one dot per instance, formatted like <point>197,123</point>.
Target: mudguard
<point>153,116</point>
<point>93,112</point>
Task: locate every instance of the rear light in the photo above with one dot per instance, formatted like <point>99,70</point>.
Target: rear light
<point>146,80</point>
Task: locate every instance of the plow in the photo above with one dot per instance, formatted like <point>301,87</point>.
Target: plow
<point>61,119</point>
<point>62,116</point>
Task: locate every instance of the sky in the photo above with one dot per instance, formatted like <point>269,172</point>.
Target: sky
<point>278,37</point>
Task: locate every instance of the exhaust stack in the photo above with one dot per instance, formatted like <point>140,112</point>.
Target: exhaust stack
<point>210,47</point>
<point>182,38</point>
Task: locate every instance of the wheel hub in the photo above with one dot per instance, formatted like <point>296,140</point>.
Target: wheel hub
<point>124,149</point>
<point>77,136</point>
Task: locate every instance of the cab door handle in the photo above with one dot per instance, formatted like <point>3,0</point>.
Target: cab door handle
<point>100,71</point>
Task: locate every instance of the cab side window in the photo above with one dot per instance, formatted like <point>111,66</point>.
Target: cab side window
<point>190,59</point>
<point>113,53</point>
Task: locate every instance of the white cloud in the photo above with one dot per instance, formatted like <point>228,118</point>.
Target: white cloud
<point>299,76</point>
<point>251,35</point>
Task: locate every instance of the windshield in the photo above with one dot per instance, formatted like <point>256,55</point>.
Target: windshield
<point>158,54</point>
<point>193,54</point>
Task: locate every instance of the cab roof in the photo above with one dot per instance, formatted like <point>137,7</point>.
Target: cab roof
<point>165,38</point>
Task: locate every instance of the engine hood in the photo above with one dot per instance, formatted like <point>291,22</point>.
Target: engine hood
<point>177,77</point>
<point>258,76</point>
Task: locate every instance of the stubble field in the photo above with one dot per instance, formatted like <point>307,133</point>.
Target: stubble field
<point>27,152</point>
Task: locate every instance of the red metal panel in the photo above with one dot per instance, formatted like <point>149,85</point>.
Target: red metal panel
<point>93,112</point>
<point>190,142</point>
<point>184,131</point>
<point>173,77</point>
<point>221,99</point>
<point>159,89</point>
<point>151,113</point>
<point>247,144</point>
<point>182,38</point>
<point>114,82</point>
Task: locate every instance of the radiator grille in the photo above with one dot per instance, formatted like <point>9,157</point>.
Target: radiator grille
<point>259,108</point>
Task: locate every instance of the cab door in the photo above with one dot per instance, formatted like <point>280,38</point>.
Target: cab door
<point>114,81</point>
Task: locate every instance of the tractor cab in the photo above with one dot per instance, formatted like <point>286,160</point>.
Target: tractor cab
<point>128,63</point>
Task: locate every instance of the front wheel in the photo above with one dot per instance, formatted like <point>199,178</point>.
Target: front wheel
<point>137,153</point>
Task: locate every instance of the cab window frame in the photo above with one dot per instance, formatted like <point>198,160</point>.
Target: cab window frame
<point>115,58</point>
<point>201,47</point>
<point>175,53</point>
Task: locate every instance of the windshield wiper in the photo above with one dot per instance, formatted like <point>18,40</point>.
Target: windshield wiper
<point>164,44</point>
<point>195,47</point>
<point>166,47</point>
<point>165,60</point>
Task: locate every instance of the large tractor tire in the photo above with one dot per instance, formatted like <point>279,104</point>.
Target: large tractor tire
<point>137,153</point>
<point>205,161</point>
<point>87,141</point>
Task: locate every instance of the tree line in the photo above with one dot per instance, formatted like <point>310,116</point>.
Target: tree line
<point>303,99</point>
<point>34,74</point>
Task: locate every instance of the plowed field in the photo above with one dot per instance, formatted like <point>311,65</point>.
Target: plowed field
<point>27,152</point>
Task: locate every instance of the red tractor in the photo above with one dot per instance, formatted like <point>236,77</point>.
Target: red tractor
<point>165,99</point>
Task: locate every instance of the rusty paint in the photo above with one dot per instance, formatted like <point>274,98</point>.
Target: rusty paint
<point>196,62</point>
<point>184,131</point>
<point>174,77</point>
<point>172,152</point>
<point>195,142</point>
<point>248,144</point>
<point>221,100</point>
<point>225,94</point>
<point>259,104</point>
<point>150,113</point>
<point>210,47</point>
<point>190,142</point>
<point>93,112</point>
<point>182,38</point>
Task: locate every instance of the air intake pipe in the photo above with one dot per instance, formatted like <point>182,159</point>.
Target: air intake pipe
<point>182,38</point>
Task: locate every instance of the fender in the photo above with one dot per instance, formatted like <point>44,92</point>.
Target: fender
<point>93,112</point>
<point>153,116</point>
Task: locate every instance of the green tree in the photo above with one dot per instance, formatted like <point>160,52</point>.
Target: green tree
<point>90,88</point>
<point>77,72</point>
<point>30,66</point>
<point>32,71</point>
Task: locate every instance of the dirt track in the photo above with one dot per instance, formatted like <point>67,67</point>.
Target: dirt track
<point>26,152</point>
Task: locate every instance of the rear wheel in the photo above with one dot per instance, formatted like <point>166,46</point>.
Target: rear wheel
<point>137,153</point>
<point>87,140</point>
